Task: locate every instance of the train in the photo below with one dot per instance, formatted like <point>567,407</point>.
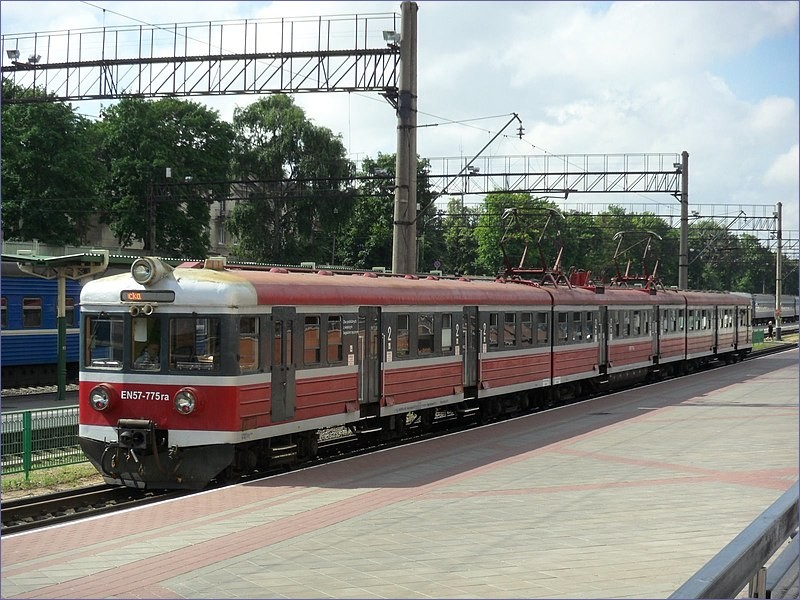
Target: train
<point>29,328</point>
<point>29,352</point>
<point>252,364</point>
<point>763,308</point>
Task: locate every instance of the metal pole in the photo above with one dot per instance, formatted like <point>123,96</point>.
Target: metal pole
<point>404,251</point>
<point>778,277</point>
<point>683,260</point>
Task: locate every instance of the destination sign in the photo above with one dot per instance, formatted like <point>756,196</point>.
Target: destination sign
<point>148,296</point>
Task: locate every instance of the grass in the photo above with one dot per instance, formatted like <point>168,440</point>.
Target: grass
<point>66,476</point>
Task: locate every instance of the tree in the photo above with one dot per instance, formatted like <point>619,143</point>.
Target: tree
<point>298,186</point>
<point>752,271</point>
<point>711,249</point>
<point>367,236</point>
<point>49,174</point>
<point>461,243</point>
<point>518,220</point>
<point>140,141</point>
<point>366,239</point>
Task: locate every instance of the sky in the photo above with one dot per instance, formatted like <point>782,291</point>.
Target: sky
<point>716,79</point>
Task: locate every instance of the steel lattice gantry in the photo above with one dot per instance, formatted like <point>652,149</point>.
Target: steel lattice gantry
<point>560,174</point>
<point>315,54</point>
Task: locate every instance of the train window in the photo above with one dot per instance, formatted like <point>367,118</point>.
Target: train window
<point>194,344</point>
<point>588,326</point>
<point>4,313</point>
<point>335,339</point>
<point>705,320</point>
<point>510,330</point>
<point>311,341</point>
<point>402,335</point>
<point>69,312</point>
<point>425,333</point>
<point>31,312</point>
<point>494,320</point>
<point>248,344</point>
<point>526,329</point>
<point>562,329</point>
<point>288,343</point>
<point>277,344</point>
<point>447,333</point>
<point>577,327</point>
<point>542,329</point>
<point>626,323</point>
<point>146,343</point>
<point>103,342</point>
<point>636,323</point>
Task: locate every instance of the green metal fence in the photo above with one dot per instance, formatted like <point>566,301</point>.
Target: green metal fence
<point>40,439</point>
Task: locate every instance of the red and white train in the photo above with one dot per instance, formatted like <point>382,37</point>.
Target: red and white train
<point>250,365</point>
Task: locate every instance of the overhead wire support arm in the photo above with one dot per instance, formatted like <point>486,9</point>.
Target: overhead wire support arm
<point>520,130</point>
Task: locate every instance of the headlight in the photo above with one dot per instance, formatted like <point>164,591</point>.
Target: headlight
<point>185,401</point>
<point>99,398</point>
<point>143,270</point>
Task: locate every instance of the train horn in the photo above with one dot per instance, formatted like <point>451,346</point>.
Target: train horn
<point>134,310</point>
<point>147,309</point>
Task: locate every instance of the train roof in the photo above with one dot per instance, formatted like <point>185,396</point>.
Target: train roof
<point>218,287</point>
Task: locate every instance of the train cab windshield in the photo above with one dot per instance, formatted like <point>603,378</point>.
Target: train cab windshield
<point>156,343</point>
<point>103,341</point>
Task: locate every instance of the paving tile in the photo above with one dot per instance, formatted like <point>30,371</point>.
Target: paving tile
<point>629,509</point>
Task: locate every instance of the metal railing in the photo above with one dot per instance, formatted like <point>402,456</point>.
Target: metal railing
<point>40,439</point>
<point>741,563</point>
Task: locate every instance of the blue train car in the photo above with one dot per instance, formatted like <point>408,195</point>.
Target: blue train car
<point>29,329</point>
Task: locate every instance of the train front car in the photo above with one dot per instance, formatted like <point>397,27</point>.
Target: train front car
<point>156,404</point>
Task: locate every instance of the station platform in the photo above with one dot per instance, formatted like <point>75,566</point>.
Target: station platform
<point>623,496</point>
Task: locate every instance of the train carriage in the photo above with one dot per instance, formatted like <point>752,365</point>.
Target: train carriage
<point>245,366</point>
<point>29,324</point>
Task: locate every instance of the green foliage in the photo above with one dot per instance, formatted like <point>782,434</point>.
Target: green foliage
<point>140,140</point>
<point>508,224</point>
<point>461,242</point>
<point>60,172</point>
<point>298,191</point>
<point>49,175</point>
<point>367,235</point>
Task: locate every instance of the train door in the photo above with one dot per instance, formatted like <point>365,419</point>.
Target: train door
<point>656,333</point>
<point>283,365</point>
<point>369,368</point>
<point>602,338</point>
<point>471,348</point>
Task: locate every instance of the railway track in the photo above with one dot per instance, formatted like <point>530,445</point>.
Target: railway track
<point>26,514</point>
<point>39,511</point>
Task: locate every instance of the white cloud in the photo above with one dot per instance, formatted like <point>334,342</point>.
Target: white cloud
<point>784,169</point>
<point>584,77</point>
